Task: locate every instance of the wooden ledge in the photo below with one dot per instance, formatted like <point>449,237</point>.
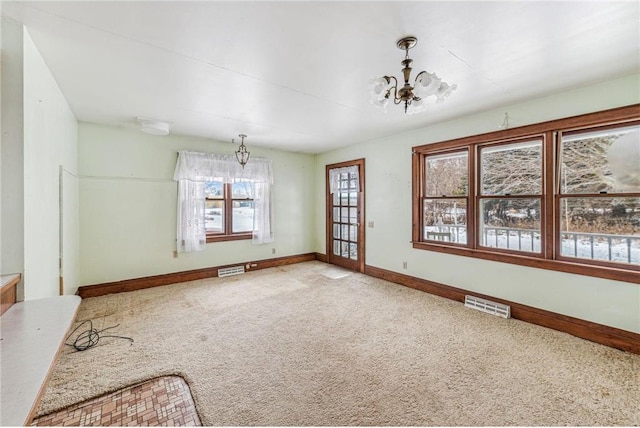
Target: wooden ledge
<point>8,291</point>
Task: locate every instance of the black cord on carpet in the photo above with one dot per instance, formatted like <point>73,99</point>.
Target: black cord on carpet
<point>90,338</point>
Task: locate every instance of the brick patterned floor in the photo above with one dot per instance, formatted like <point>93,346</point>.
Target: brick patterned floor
<point>164,401</point>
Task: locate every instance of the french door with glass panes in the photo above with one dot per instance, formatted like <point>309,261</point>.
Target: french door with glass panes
<point>345,214</point>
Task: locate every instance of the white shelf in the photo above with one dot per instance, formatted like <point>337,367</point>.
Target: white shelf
<point>32,333</point>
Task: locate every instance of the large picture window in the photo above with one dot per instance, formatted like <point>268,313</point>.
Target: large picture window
<point>561,195</point>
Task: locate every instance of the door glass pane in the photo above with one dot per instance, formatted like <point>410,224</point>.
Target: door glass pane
<point>602,228</point>
<point>336,248</point>
<point>353,233</point>
<point>353,199</point>
<point>605,161</point>
<point>345,215</point>
<point>336,230</point>
<point>511,224</point>
<point>345,232</point>
<point>353,251</point>
<point>345,249</point>
<point>344,182</point>
<point>353,215</point>
<point>445,220</point>
<point>512,169</point>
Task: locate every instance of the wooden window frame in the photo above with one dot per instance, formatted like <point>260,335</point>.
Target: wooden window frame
<point>228,234</point>
<point>549,218</point>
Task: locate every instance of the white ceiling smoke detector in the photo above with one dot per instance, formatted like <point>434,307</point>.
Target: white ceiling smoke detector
<point>153,126</point>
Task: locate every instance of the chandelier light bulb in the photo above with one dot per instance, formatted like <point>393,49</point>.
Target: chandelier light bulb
<point>426,84</point>
<point>444,91</point>
<point>417,106</point>
<point>378,88</point>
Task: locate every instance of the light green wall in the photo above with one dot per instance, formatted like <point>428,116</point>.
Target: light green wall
<point>12,151</point>
<point>39,134</point>
<point>50,141</point>
<point>388,184</point>
<point>125,227</point>
<point>128,205</point>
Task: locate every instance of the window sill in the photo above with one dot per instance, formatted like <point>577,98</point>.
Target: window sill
<point>223,238</point>
<point>617,274</point>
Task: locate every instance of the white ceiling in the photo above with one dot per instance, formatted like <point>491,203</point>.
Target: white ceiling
<point>293,75</point>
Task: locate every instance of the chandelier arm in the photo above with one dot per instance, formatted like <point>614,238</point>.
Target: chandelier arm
<point>396,99</point>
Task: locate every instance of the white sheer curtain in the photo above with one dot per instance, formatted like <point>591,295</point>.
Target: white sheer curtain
<point>334,177</point>
<point>192,235</point>
<point>193,169</point>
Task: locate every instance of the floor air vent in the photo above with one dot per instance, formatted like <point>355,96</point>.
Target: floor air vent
<point>228,271</point>
<point>487,306</point>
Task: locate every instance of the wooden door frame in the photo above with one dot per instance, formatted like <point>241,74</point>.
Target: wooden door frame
<point>361,217</point>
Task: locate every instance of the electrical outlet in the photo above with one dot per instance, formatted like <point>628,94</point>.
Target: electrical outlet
<point>175,254</point>
<point>370,224</point>
<point>273,251</point>
<point>404,265</point>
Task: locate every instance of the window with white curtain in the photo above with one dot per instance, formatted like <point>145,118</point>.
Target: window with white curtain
<point>229,210</point>
<point>218,200</point>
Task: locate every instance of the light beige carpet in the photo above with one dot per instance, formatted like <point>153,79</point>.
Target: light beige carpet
<point>311,344</point>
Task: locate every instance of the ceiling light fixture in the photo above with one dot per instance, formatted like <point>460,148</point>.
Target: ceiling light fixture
<point>242,154</point>
<point>154,127</point>
<point>413,97</point>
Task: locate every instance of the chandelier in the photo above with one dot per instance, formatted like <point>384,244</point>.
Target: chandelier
<point>413,97</point>
<point>242,154</point>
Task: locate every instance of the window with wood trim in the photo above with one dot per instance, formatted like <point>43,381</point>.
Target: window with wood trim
<point>229,210</point>
<point>561,195</point>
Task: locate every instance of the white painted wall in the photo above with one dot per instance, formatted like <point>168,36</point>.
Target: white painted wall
<point>128,205</point>
<point>50,140</point>
<point>388,184</point>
